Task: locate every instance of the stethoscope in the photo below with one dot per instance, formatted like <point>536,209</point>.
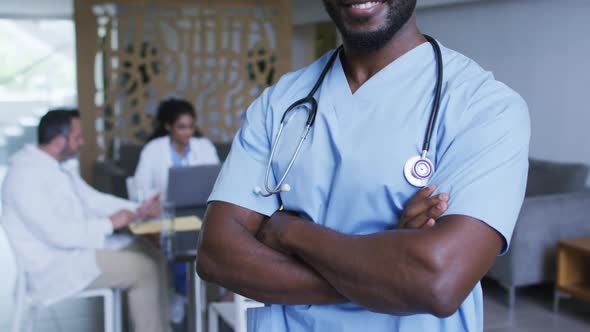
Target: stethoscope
<point>417,170</point>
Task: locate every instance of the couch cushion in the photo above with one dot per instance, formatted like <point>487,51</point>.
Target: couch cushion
<point>547,177</point>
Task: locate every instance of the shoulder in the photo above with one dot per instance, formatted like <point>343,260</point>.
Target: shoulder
<point>268,107</point>
<point>156,145</point>
<point>298,83</point>
<point>301,79</point>
<point>294,85</point>
<point>202,143</point>
<point>25,173</point>
<point>474,96</point>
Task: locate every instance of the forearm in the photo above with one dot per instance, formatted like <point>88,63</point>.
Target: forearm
<point>380,271</point>
<point>248,267</point>
<point>102,204</point>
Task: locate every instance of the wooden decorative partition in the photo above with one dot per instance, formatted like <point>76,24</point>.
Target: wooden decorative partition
<point>219,55</point>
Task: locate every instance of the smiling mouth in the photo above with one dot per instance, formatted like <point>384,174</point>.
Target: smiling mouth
<point>365,5</point>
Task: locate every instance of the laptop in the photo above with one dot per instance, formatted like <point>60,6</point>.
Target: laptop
<point>190,187</point>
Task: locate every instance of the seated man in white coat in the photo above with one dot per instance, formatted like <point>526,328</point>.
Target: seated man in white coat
<point>61,229</point>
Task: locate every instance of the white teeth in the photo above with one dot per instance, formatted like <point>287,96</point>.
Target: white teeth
<point>365,5</point>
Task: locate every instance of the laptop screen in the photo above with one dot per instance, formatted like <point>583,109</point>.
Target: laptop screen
<point>191,186</point>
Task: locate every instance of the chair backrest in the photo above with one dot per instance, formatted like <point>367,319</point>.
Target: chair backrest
<point>242,305</point>
<point>191,186</point>
<point>548,177</point>
<point>129,157</point>
<point>131,188</point>
<point>222,149</point>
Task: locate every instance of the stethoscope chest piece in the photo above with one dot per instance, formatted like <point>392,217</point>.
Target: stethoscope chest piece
<point>418,170</point>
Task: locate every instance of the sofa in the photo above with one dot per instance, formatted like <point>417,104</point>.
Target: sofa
<point>556,207</point>
<point>110,175</point>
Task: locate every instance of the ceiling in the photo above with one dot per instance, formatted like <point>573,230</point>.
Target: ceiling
<point>304,11</point>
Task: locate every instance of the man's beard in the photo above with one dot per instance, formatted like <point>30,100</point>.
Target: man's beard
<point>66,153</point>
<point>399,12</point>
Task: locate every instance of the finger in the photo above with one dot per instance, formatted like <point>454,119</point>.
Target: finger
<point>436,211</point>
<point>432,207</point>
<point>413,210</point>
<point>427,219</point>
<point>418,222</point>
<point>422,194</point>
<point>431,222</point>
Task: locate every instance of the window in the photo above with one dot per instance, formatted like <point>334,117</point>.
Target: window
<point>38,61</point>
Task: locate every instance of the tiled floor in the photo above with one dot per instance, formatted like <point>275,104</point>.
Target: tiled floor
<point>533,311</point>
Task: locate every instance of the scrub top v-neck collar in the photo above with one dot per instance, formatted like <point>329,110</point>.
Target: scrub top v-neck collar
<point>396,75</point>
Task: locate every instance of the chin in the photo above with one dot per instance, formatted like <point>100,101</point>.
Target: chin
<point>369,24</point>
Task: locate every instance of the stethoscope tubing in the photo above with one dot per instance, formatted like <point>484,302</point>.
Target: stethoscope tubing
<point>437,95</point>
<point>310,99</point>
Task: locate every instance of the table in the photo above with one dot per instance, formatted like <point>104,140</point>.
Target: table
<point>185,243</point>
<point>573,270</point>
<point>180,224</point>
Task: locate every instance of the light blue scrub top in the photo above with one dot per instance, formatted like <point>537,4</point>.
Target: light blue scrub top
<point>349,175</point>
<point>177,159</point>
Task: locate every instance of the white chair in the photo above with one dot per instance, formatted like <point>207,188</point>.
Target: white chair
<point>233,313</point>
<point>25,313</point>
<point>132,192</point>
<point>200,296</point>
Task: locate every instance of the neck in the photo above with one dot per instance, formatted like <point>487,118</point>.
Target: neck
<point>361,65</point>
<point>51,151</point>
<point>179,147</point>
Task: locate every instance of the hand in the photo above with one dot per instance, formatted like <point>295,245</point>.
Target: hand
<point>422,210</point>
<point>150,208</point>
<point>122,219</point>
<point>273,228</point>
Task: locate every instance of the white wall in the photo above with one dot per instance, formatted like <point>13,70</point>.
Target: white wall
<point>541,48</point>
<point>303,46</point>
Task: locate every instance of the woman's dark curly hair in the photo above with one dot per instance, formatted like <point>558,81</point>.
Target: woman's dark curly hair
<point>168,112</point>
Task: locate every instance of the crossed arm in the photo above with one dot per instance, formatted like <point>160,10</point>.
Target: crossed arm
<point>230,255</point>
<point>288,260</point>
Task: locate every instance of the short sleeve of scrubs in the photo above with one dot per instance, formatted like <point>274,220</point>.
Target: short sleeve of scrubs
<point>484,168</point>
<point>245,166</point>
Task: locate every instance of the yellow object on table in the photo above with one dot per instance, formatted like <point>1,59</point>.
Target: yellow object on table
<point>181,224</point>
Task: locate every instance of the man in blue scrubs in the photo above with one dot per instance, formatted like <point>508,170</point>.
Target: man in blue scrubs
<point>339,257</point>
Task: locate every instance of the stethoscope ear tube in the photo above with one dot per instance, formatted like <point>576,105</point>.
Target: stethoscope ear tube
<point>419,169</point>
<point>312,112</point>
<point>437,93</point>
